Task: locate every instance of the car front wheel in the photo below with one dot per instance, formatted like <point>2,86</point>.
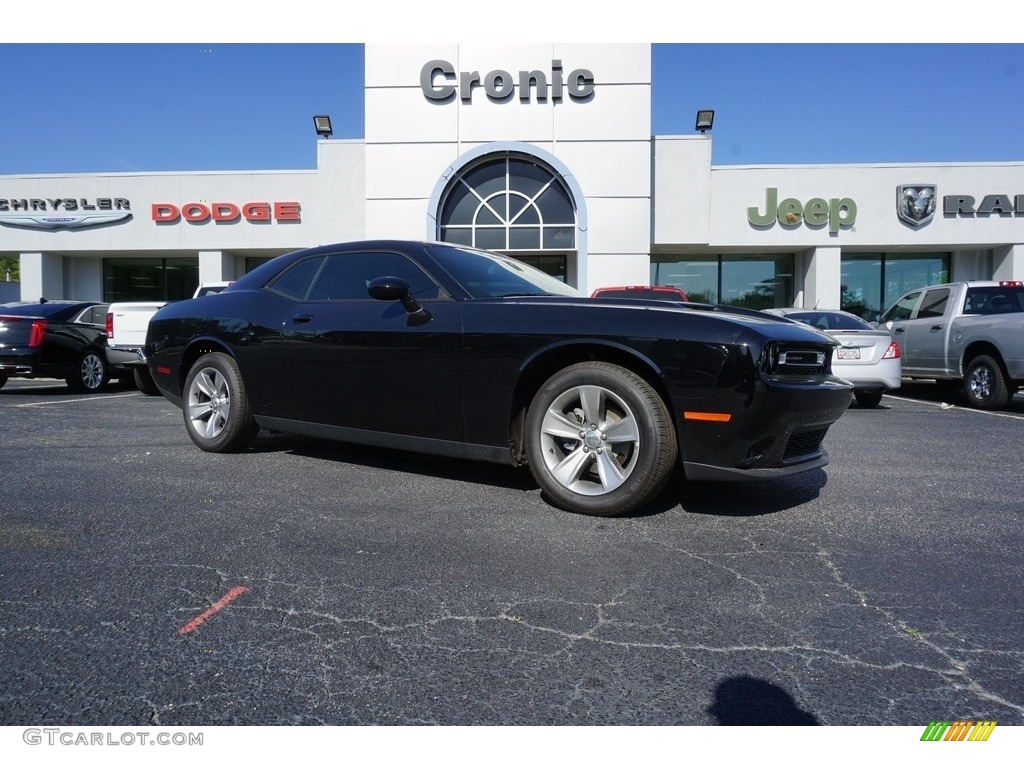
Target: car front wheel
<point>90,374</point>
<point>599,439</point>
<point>984,384</point>
<point>218,416</point>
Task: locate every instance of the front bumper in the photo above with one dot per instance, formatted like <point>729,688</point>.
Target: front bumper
<point>775,431</point>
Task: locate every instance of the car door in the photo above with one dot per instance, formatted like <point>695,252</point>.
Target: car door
<point>367,364</point>
<point>926,331</point>
<point>897,319</point>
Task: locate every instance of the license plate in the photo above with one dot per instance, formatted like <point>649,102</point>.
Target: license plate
<point>847,354</point>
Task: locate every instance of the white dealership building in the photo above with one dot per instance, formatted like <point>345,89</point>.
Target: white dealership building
<point>545,152</point>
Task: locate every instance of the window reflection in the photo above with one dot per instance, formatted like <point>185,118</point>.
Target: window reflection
<point>149,279</point>
<point>755,281</point>
<point>508,203</point>
<point>871,282</point>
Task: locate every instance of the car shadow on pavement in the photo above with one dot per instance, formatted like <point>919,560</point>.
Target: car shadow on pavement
<point>930,392</point>
<point>57,388</point>
<point>726,499</point>
<point>466,470</point>
<point>746,700</point>
<point>751,498</point>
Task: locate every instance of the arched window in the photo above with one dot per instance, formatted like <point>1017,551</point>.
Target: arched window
<point>508,203</point>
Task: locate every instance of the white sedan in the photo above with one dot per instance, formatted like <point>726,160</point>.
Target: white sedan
<point>868,357</point>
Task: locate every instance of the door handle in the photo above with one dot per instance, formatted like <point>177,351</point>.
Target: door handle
<point>301,318</point>
<point>936,327</point>
<point>899,330</point>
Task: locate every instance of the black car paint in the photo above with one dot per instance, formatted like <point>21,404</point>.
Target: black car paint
<point>63,344</point>
<point>367,371</point>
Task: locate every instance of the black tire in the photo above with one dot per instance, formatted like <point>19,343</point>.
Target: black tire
<point>984,384</point>
<point>868,398</point>
<point>578,455</point>
<point>144,380</point>
<point>218,416</point>
<point>90,373</point>
<point>3,380</point>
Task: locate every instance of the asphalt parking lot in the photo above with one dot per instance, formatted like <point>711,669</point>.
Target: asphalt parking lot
<point>305,582</point>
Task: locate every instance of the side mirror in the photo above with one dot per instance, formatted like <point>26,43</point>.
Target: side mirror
<point>392,288</point>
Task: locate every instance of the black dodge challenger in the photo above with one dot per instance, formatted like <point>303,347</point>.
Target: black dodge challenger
<point>444,349</point>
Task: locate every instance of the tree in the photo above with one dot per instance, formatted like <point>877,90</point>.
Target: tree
<point>13,266</point>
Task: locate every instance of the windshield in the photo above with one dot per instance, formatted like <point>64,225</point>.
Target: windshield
<point>487,275</point>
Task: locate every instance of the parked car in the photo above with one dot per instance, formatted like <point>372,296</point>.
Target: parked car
<point>442,349</point>
<point>55,339</point>
<point>663,292</point>
<point>867,357</point>
<point>965,335</point>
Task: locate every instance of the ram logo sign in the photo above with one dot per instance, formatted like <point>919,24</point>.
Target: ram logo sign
<point>915,203</point>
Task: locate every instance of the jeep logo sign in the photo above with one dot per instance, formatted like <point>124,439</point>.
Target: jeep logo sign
<point>439,82</point>
<point>817,212</point>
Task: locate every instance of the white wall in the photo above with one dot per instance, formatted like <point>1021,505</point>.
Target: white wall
<point>603,140</point>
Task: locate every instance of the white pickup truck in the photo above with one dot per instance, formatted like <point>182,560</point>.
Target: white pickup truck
<point>127,322</point>
<point>967,334</point>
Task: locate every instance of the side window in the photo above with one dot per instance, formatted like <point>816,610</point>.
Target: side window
<point>346,277</point>
<point>934,304</point>
<point>296,281</point>
<point>93,315</point>
<point>901,309</point>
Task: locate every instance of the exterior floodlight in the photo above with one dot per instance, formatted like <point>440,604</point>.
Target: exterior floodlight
<point>705,117</point>
<point>322,123</point>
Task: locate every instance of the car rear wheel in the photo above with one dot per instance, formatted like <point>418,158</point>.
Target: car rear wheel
<point>90,374</point>
<point>984,384</point>
<point>599,440</point>
<point>3,380</point>
<point>868,398</point>
<point>144,381</point>
<point>218,416</point>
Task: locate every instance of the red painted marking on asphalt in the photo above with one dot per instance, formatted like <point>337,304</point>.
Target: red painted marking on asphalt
<point>229,597</point>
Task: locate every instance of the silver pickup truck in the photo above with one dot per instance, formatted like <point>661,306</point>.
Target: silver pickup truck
<point>967,334</point>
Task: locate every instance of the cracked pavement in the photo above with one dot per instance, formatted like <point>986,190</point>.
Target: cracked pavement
<point>391,588</point>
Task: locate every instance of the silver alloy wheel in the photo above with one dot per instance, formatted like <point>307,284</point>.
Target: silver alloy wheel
<point>590,440</point>
<point>209,403</point>
<point>980,382</point>
<point>92,371</point>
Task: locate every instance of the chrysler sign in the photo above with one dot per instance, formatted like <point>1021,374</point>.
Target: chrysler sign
<point>63,212</point>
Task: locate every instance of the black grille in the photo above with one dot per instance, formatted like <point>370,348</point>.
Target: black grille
<point>804,444</point>
<point>790,360</point>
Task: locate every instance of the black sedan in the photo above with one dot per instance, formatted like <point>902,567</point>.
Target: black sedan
<point>443,349</point>
<point>57,340</point>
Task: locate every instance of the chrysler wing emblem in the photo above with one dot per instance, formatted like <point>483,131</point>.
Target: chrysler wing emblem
<point>915,203</point>
<point>71,221</point>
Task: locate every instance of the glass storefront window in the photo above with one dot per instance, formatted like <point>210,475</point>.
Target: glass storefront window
<point>756,281</point>
<point>149,279</point>
<point>871,282</point>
